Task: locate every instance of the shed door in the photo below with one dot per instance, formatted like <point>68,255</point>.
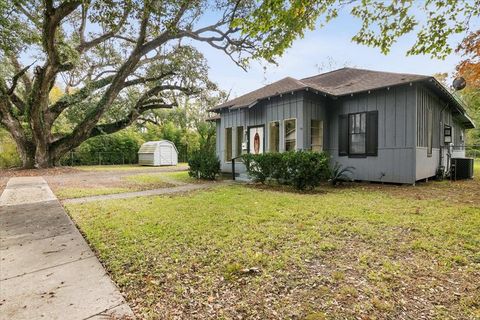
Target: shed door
<point>166,155</point>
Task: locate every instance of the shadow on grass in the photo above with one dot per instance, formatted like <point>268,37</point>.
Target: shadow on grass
<point>324,188</point>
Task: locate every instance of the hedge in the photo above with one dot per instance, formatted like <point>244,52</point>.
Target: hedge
<point>300,169</point>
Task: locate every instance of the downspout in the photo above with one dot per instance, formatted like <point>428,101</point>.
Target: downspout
<point>441,143</point>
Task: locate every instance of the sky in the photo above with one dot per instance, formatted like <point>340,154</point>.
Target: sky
<point>322,50</point>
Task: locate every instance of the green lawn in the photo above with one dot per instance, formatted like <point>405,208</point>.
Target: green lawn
<point>150,178</point>
<point>366,251</point>
<point>77,192</point>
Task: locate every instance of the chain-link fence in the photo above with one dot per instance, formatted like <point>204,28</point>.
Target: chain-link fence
<point>75,158</point>
<point>471,151</point>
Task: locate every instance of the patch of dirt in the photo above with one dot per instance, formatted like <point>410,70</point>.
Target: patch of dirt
<point>16,172</point>
<point>70,177</point>
<point>461,191</point>
<point>6,174</point>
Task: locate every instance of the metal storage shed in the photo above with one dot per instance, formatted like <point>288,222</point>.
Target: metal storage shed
<point>158,153</point>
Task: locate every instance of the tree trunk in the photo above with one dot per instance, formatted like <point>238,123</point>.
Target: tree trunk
<point>43,160</point>
<point>26,151</point>
<point>34,156</point>
<point>43,157</point>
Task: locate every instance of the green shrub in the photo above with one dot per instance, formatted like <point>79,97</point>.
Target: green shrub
<point>306,169</point>
<point>263,166</point>
<point>204,164</point>
<point>339,174</point>
<point>301,169</point>
<point>8,151</point>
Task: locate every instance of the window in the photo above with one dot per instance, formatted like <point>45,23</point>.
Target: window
<point>274,136</point>
<point>357,123</point>
<point>228,144</point>
<point>239,140</point>
<point>429,131</point>
<point>290,134</point>
<point>317,135</point>
<point>358,134</point>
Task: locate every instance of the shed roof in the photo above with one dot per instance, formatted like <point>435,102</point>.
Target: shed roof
<point>151,146</point>
<point>341,82</point>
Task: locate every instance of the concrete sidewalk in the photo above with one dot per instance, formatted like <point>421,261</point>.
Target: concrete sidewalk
<point>47,270</point>
<point>145,193</point>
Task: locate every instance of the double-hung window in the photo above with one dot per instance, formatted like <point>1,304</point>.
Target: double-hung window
<point>290,127</point>
<point>228,144</point>
<point>317,135</point>
<point>358,134</point>
<point>274,136</point>
<point>239,141</point>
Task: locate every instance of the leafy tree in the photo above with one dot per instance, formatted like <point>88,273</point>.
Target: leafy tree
<point>8,153</point>
<point>469,68</point>
<point>120,59</point>
<point>111,53</point>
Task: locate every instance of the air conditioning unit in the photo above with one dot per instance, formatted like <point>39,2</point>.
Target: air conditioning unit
<point>462,168</point>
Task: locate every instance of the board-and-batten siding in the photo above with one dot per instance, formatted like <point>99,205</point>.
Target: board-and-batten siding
<point>402,129</point>
<point>278,108</point>
<point>396,134</point>
<point>426,166</point>
<point>314,108</point>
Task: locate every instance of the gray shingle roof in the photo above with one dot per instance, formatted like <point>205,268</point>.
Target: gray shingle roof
<point>335,83</point>
<point>287,84</point>
<point>349,80</point>
<point>341,82</point>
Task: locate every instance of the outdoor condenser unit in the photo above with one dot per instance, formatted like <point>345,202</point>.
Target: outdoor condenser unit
<point>462,168</point>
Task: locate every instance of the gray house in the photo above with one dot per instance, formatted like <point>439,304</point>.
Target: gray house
<point>391,127</point>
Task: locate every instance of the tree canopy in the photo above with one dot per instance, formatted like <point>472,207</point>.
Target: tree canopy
<point>469,68</point>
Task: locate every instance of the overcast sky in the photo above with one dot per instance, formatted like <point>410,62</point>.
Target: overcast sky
<point>316,53</point>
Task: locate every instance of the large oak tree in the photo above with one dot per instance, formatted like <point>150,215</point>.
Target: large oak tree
<point>118,59</point>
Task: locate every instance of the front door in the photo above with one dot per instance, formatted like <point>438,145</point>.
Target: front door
<point>256,139</point>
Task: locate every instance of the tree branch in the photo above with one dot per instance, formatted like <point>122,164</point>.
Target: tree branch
<point>109,128</point>
<point>145,80</point>
<point>68,100</point>
<point>17,76</point>
<point>27,82</point>
<point>86,45</point>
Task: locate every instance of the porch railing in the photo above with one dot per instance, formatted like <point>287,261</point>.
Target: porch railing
<point>233,166</point>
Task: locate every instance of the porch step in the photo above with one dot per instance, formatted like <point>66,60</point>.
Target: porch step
<point>243,177</point>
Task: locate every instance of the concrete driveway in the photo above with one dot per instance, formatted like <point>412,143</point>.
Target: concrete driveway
<point>47,270</point>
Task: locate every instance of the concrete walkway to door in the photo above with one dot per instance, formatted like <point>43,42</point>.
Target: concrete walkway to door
<point>47,270</point>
